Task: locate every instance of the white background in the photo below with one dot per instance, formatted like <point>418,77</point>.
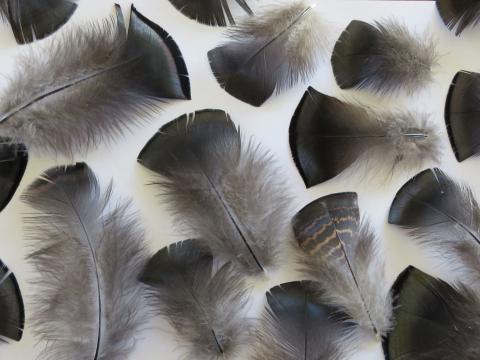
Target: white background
<point>269,126</point>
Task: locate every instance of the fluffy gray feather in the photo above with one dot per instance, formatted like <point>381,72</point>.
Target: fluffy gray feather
<point>87,252</point>
<point>224,191</point>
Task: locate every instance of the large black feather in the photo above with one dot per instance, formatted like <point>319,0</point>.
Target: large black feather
<point>459,14</point>
<point>462,114</point>
<point>434,320</point>
<point>205,307</point>
<point>13,162</point>
<point>12,313</point>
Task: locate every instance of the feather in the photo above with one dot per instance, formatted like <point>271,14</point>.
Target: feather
<point>13,162</point>
<point>444,217</point>
<point>434,320</point>
<point>461,112</point>
<point>384,57</point>
<point>295,326</point>
<point>210,12</point>
<point>340,253</point>
<point>270,52</point>
<point>325,141</point>
<point>12,311</point>
<point>92,85</point>
<point>225,191</point>
<point>36,19</point>
<point>87,251</point>
<point>459,14</point>
<point>205,307</point>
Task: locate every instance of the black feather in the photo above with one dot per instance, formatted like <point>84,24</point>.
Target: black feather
<point>205,307</point>
<point>434,320</point>
<point>462,111</point>
<point>210,12</point>
<point>36,19</point>
<point>459,14</point>
<point>12,312</point>
<point>327,136</point>
<point>13,162</point>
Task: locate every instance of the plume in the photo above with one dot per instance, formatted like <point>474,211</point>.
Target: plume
<point>341,254</point>
<point>92,85</point>
<point>463,104</point>
<point>444,217</point>
<point>210,12</point>
<point>434,320</point>
<point>12,312</point>
<point>225,190</point>
<point>205,307</point>
<point>270,52</point>
<point>13,162</point>
<point>384,57</point>
<point>87,251</point>
<point>458,15</point>
<point>295,326</point>
<point>325,141</point>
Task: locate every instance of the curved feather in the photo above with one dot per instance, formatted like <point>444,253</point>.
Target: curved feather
<point>384,57</point>
<point>87,252</point>
<point>462,110</point>
<point>340,254</point>
<point>226,192</point>
<point>433,320</point>
<point>92,85</point>
<point>12,311</point>
<point>13,162</point>
<point>205,307</point>
<point>444,217</point>
<point>325,141</point>
<point>459,14</point>
<point>269,52</point>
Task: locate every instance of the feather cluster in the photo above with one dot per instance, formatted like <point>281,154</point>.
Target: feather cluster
<point>13,162</point>
<point>384,57</point>
<point>325,141</point>
<point>87,252</point>
<point>459,15</point>
<point>12,311</point>
<point>221,190</point>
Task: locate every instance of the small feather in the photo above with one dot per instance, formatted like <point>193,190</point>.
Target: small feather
<point>270,52</point>
<point>384,57</point>
<point>91,85</point>
<point>13,162</point>
<point>87,252</point>
<point>459,14</point>
<point>325,141</point>
<point>12,312</point>
<point>205,307</point>
<point>223,190</point>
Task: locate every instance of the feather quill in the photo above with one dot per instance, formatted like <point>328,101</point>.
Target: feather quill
<point>459,14</point>
<point>210,12</point>
<point>295,326</point>
<point>444,217</point>
<point>340,253</point>
<point>325,141</point>
<point>222,189</point>
<point>88,252</point>
<point>12,311</point>
<point>92,85</point>
<point>270,52</point>
<point>205,307</point>
<point>434,320</point>
<point>384,57</point>
<point>13,162</point>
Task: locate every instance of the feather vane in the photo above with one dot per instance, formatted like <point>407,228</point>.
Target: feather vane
<point>459,15</point>
<point>12,311</point>
<point>13,162</point>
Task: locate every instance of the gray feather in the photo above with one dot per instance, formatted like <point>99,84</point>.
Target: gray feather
<point>87,252</point>
<point>3,9</point>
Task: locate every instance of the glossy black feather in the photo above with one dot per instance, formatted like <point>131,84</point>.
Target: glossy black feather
<point>13,162</point>
<point>36,19</point>
<point>12,312</point>
<point>210,12</point>
<point>459,14</point>
<point>434,320</point>
<point>462,114</point>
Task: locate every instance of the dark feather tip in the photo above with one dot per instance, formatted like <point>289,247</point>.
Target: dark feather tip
<point>13,162</point>
<point>459,14</point>
<point>12,311</point>
<point>462,115</point>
